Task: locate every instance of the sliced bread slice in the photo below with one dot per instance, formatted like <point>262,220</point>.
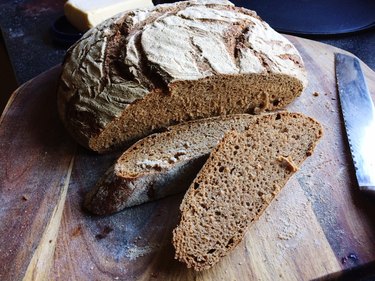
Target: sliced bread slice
<point>243,174</point>
<point>162,164</point>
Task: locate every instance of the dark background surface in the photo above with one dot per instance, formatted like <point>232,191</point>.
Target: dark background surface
<point>27,47</point>
<point>315,16</point>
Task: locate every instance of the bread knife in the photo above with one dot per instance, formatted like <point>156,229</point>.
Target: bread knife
<point>359,118</point>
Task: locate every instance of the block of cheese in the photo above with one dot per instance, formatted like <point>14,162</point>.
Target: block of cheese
<point>87,14</point>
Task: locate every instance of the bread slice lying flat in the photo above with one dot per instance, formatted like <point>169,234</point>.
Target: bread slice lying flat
<point>162,164</point>
<point>239,180</point>
<point>147,69</point>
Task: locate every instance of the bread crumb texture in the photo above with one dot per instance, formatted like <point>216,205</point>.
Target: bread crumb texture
<point>147,69</point>
<point>243,174</point>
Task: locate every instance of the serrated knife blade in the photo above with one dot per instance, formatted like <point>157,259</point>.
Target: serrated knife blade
<point>359,118</point>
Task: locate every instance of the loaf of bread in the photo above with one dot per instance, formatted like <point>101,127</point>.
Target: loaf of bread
<point>144,70</point>
<point>162,164</point>
<point>239,180</point>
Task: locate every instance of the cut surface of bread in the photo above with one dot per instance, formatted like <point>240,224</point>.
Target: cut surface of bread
<point>242,175</point>
<point>147,69</point>
<point>162,164</point>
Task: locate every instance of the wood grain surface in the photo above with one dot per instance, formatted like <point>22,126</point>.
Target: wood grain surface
<point>318,226</point>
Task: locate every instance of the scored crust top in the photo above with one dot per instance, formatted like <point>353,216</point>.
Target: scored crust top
<point>128,56</point>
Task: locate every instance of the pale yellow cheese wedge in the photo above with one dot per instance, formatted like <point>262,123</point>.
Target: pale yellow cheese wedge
<point>85,14</point>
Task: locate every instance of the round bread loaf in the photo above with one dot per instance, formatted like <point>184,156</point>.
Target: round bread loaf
<point>144,70</point>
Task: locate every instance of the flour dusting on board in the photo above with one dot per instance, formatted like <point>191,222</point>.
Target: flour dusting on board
<point>289,229</point>
<point>135,251</point>
<point>287,233</point>
<point>290,223</point>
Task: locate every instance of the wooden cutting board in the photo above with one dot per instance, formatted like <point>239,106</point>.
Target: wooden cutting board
<point>318,226</point>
